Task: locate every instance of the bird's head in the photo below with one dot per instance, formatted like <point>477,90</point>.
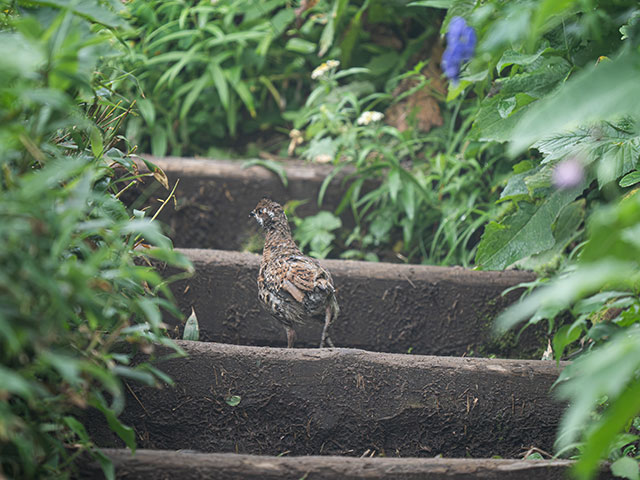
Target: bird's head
<point>269,214</point>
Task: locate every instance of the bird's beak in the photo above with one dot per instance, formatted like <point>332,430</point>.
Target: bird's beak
<point>252,214</point>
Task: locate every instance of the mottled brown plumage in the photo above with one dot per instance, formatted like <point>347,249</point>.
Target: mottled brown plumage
<point>293,288</point>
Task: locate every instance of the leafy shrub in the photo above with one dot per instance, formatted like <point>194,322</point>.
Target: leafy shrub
<point>204,70</point>
<point>72,286</point>
<point>557,77</point>
<point>429,202</point>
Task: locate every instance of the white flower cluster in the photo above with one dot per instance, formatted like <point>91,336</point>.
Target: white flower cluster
<point>324,68</point>
<point>368,117</point>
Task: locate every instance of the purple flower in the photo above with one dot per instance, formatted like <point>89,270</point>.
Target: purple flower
<point>461,40</point>
<point>568,173</point>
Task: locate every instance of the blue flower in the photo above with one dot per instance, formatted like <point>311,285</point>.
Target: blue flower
<point>461,40</point>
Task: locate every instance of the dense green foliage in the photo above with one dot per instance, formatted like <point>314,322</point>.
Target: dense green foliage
<point>551,85</point>
<point>210,75</point>
<point>70,291</point>
<point>432,194</point>
<point>557,77</point>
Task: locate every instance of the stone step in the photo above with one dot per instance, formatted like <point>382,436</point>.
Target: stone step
<point>272,401</point>
<point>384,307</point>
<point>172,465</point>
<point>214,197</point>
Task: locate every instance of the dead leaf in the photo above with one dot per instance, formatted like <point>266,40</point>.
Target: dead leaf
<point>421,107</point>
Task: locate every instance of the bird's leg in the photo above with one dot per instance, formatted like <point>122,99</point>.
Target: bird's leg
<point>325,334</point>
<point>291,336</point>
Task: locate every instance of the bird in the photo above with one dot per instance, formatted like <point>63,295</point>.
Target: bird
<point>292,287</point>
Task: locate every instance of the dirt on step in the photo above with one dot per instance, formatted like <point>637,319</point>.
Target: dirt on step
<point>214,198</point>
<point>384,307</point>
<point>267,401</point>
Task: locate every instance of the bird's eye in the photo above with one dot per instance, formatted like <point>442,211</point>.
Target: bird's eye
<point>262,210</point>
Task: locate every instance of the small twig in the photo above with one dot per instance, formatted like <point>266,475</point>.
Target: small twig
<point>536,450</point>
<point>155,215</point>
<point>137,399</point>
<point>117,195</point>
<point>409,280</point>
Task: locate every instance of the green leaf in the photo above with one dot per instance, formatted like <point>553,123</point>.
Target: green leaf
<point>14,383</point>
<point>497,117</point>
<point>395,183</point>
<point>630,179</point>
<point>328,34</point>
<point>89,9</point>
<point>621,411</point>
<point>523,233</point>
<point>233,400</point>
<point>77,428</point>
<point>300,45</point>
<point>148,111</point>
<point>191,328</point>
<point>281,20</point>
<point>106,464</point>
<point>432,3</point>
<point>626,467</point>
<point>511,57</point>
<point>158,141</point>
<point>271,165</point>
<point>562,292</point>
<point>598,92</point>
<point>97,146</point>
<point>126,434</point>
<point>194,92</point>
<point>566,335</point>
<point>565,230</point>
<point>220,82</point>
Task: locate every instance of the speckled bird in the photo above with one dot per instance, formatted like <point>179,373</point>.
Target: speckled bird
<point>293,288</point>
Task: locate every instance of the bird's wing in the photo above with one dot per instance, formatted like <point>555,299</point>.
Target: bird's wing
<point>297,276</point>
<point>306,275</point>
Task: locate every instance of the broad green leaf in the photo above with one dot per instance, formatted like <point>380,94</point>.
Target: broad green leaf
<point>523,233</point>
<point>598,92</point>
<point>233,400</point>
<point>565,230</point>
<point>493,123</point>
<point>612,231</point>
<point>562,292</point>
<point>630,179</point>
<point>511,57</point>
<point>626,467</point>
